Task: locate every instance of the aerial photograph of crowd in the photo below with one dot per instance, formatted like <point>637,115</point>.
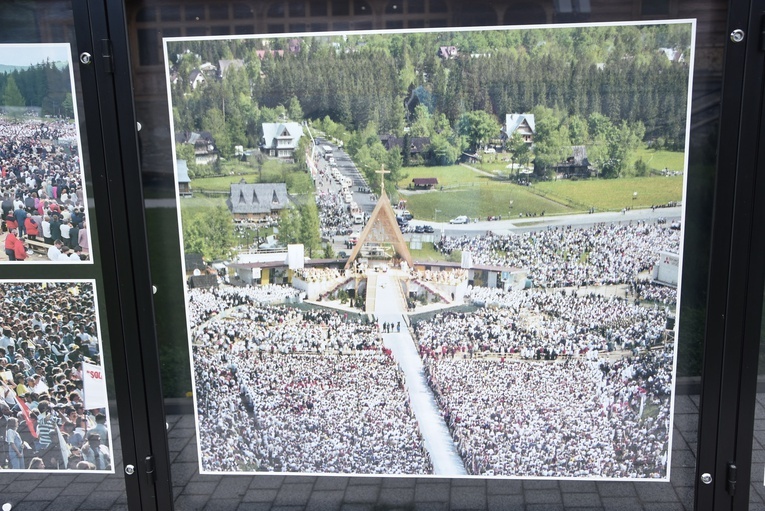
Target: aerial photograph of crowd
<point>47,420</point>
<point>488,284</point>
<point>42,194</point>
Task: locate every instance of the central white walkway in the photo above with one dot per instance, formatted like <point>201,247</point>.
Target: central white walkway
<point>390,307</point>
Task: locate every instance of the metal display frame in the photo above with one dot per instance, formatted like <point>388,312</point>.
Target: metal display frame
<point>735,285</point>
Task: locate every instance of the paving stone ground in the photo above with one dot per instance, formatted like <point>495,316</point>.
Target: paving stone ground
<point>43,492</point>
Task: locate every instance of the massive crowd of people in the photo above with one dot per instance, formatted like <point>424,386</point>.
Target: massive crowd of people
<point>556,323</point>
<point>286,390</point>
<point>41,187</point>
<point>334,215</point>
<point>206,303</point>
<point>504,411</point>
<point>611,253</point>
<point>322,274</point>
<point>567,418</point>
<point>49,329</point>
<point>450,277</point>
<point>654,292</point>
<point>300,389</point>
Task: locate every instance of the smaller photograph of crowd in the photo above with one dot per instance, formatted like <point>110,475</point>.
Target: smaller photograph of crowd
<point>42,187</point>
<point>53,400</point>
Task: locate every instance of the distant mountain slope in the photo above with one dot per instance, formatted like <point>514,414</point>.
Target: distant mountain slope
<point>5,68</point>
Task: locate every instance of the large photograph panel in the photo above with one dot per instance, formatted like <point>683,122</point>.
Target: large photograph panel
<point>42,181</point>
<point>54,409</point>
<point>449,253</point>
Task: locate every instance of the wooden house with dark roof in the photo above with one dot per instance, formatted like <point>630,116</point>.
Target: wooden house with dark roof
<point>209,281</point>
<point>193,262</point>
<point>425,183</point>
<point>254,201</point>
<point>205,151</point>
<point>577,165</point>
<point>417,145</point>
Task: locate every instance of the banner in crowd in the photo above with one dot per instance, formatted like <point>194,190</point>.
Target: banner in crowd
<point>43,196</point>
<point>94,386</point>
<point>513,316</point>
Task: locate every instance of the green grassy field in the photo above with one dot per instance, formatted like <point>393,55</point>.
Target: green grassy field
<point>659,160</point>
<point>481,201</point>
<point>615,194</point>
<point>656,160</point>
<point>447,176</point>
<point>199,201</point>
<point>273,172</point>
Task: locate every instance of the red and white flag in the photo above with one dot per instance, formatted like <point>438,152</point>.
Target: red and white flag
<point>27,418</point>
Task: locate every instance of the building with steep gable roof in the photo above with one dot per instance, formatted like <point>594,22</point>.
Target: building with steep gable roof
<point>225,64</point>
<point>521,123</point>
<point>280,139</point>
<point>184,182</point>
<point>253,201</point>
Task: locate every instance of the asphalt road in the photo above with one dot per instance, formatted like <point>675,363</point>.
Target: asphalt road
<point>520,225</point>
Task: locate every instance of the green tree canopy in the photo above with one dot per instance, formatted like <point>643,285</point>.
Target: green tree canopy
<point>209,232</point>
<point>479,127</point>
<point>12,95</point>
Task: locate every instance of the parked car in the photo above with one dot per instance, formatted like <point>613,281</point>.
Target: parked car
<point>462,219</point>
<point>419,229</point>
<point>429,229</point>
<point>407,215</point>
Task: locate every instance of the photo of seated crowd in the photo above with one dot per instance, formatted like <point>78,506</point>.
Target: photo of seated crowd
<point>41,192</point>
<point>500,374</point>
<point>609,253</point>
<point>48,420</point>
<point>287,390</point>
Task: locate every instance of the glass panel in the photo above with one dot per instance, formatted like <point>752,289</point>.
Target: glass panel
<point>757,488</point>
<point>362,8</point>
<point>297,9</point>
<point>416,6</point>
<point>242,11</point>
<point>57,411</point>
<point>218,12</point>
<point>172,13</point>
<point>340,8</point>
<point>276,10</point>
<point>647,402</point>
<point>438,6</point>
<point>195,12</point>
<point>318,8</point>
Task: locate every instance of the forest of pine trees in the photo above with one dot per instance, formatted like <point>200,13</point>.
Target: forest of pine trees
<point>44,85</point>
<point>618,74</point>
